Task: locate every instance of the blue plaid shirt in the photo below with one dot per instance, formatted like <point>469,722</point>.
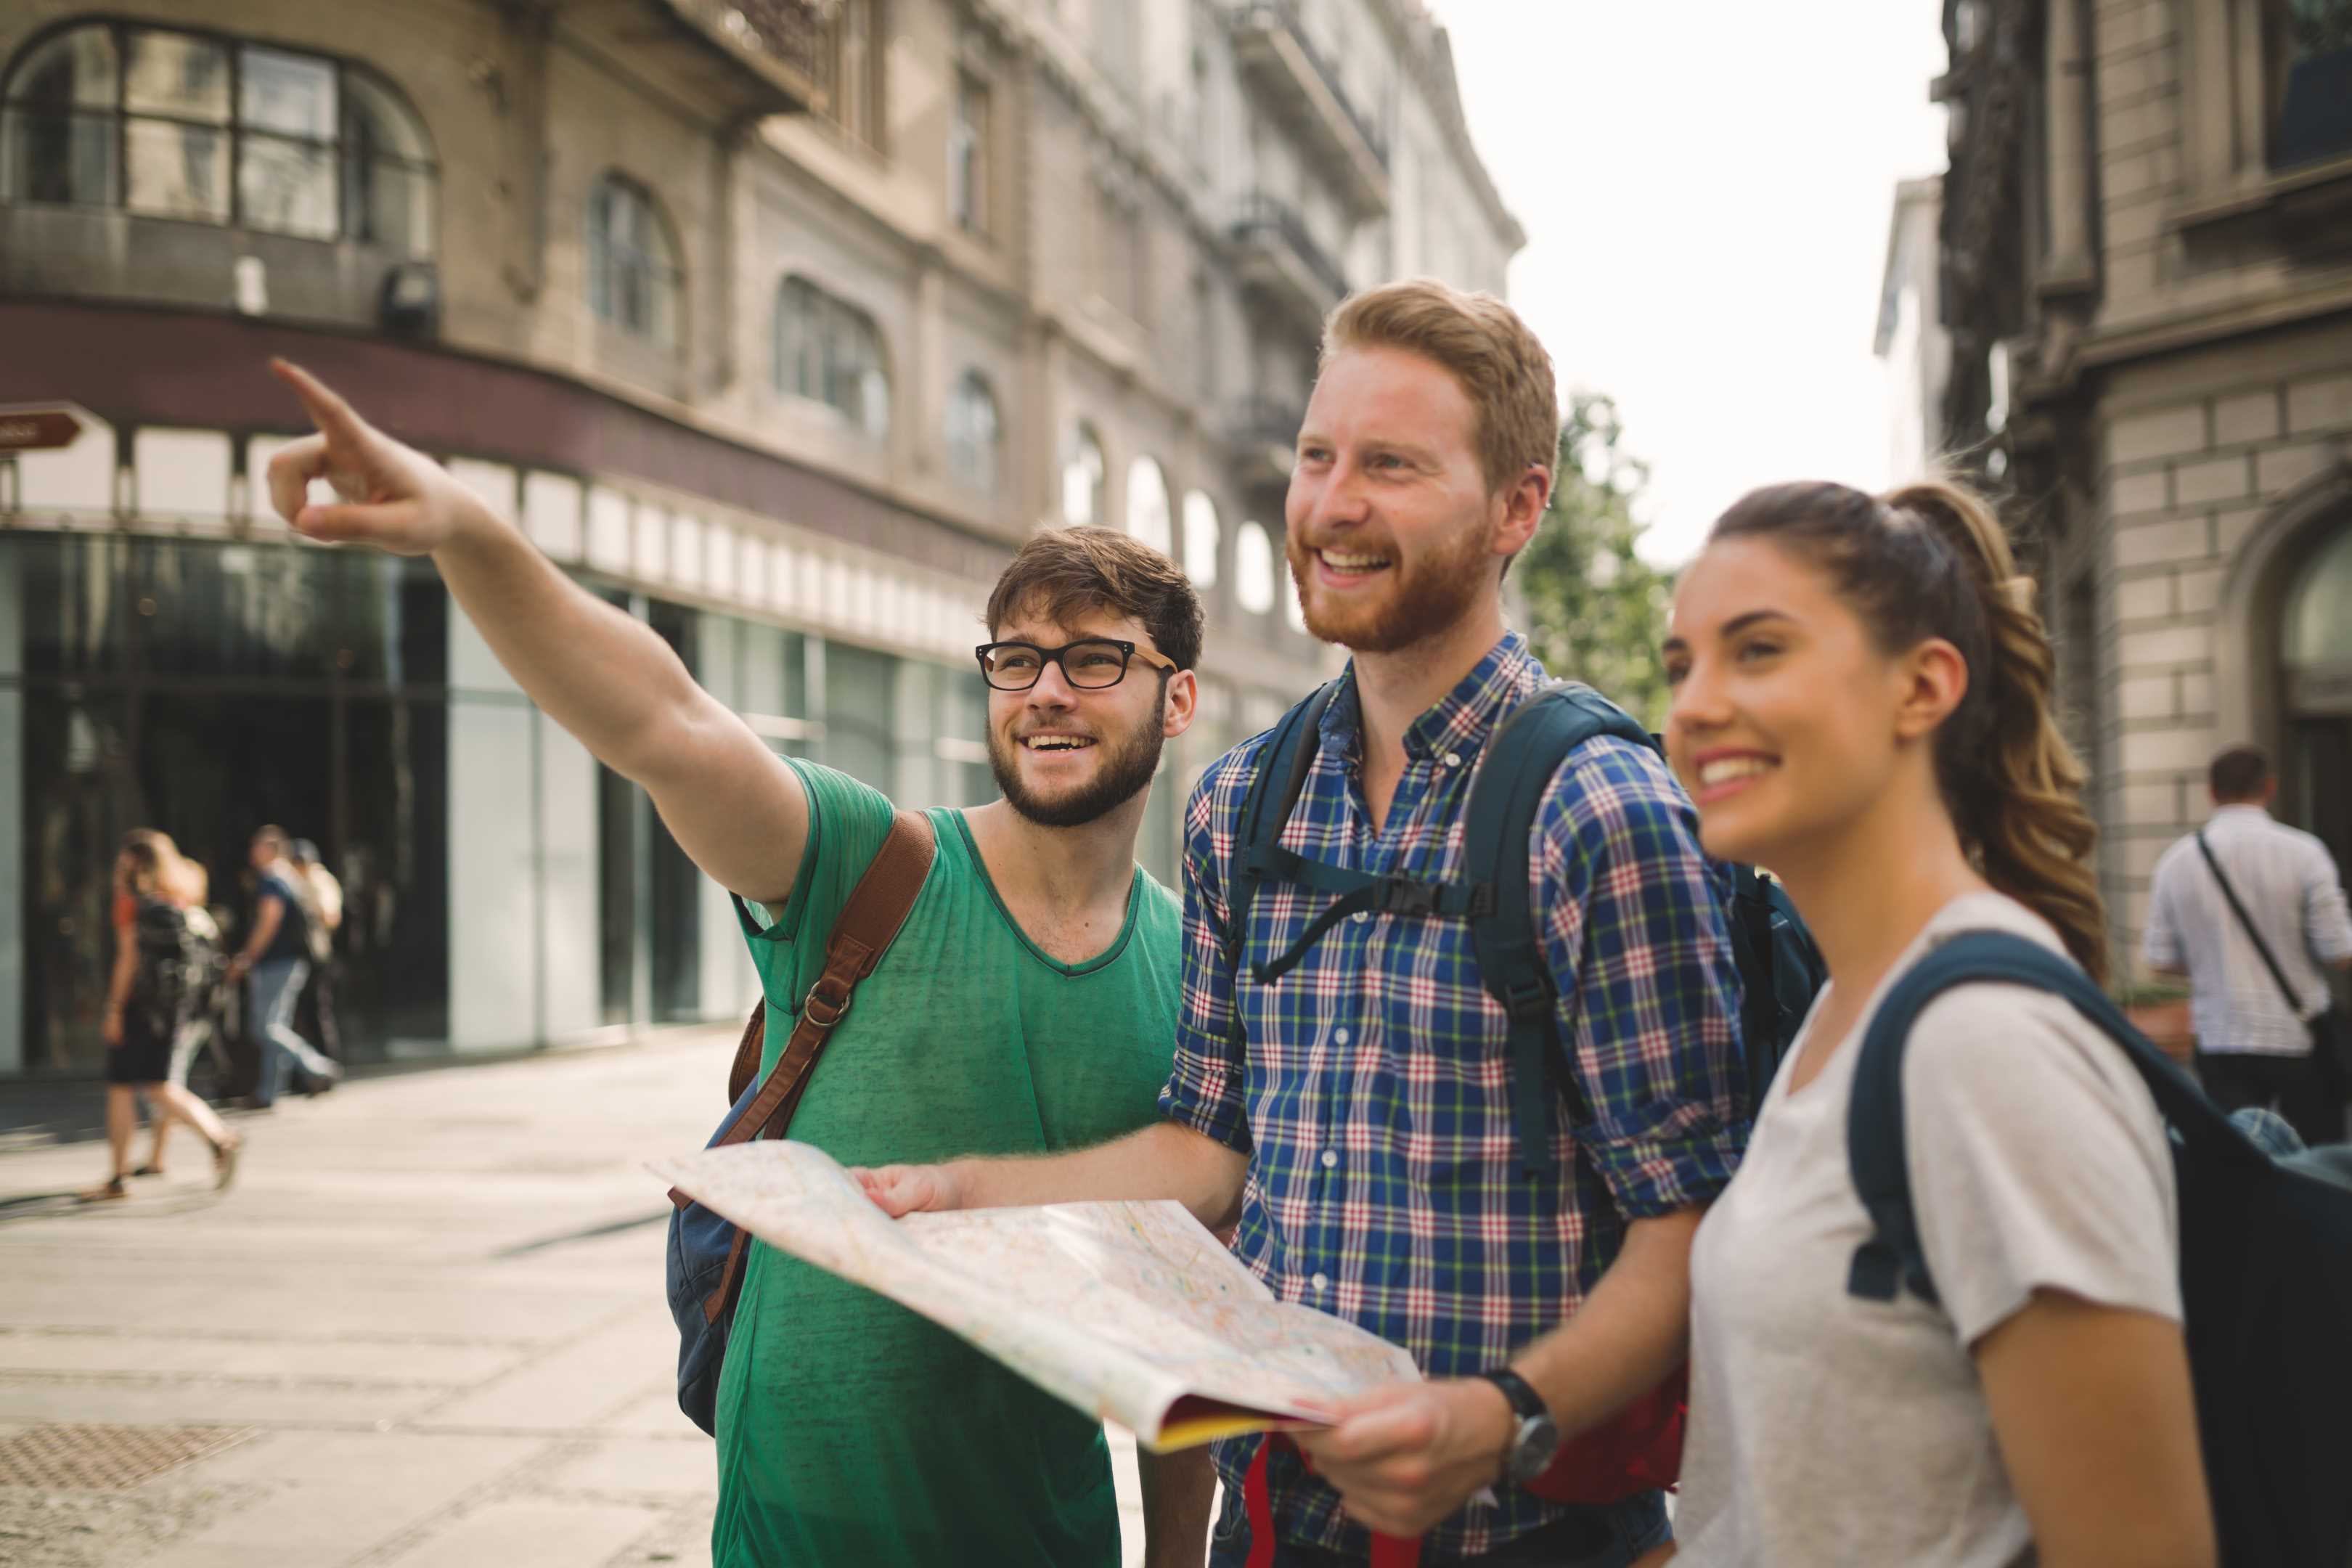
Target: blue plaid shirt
<point>1373,1096</point>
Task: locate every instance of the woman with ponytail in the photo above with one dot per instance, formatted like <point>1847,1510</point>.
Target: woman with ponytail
<point>1862,702</point>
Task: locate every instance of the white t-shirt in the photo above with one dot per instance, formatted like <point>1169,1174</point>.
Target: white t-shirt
<point>1827,1428</point>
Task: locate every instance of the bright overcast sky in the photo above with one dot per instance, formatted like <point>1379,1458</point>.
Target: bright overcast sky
<point>1705,187</point>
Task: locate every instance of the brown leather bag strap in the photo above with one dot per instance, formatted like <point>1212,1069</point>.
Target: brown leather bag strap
<point>862,933</point>
<point>747,1052</point>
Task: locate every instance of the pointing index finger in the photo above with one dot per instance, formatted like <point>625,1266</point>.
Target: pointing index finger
<point>326,407</point>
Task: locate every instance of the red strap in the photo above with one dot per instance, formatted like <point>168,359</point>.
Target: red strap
<point>1258,1500</point>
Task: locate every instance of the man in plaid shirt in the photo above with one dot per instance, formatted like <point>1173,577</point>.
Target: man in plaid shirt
<point>1358,1123</point>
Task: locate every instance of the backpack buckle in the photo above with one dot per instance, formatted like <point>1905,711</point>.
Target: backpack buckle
<point>835,1006</point>
<point>1407,896</point>
<point>1527,1000</point>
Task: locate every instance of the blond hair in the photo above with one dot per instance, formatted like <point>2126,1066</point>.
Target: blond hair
<point>1931,560</point>
<point>1499,363</point>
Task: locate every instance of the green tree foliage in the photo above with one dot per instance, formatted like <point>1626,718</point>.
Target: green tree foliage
<point>1596,610</point>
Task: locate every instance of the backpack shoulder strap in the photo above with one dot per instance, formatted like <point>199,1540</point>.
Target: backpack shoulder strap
<point>1518,768</point>
<point>1893,1258</point>
<point>862,933</point>
<point>1275,783</point>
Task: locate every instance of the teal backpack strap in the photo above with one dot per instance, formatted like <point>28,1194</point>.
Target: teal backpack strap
<point>1517,769</point>
<point>1274,789</point>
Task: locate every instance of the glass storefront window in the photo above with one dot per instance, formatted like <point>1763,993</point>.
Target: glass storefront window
<point>257,610</point>
<point>69,589</point>
<point>162,684</point>
<point>861,714</point>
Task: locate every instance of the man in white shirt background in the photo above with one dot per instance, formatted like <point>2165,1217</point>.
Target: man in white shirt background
<point>2253,1046</point>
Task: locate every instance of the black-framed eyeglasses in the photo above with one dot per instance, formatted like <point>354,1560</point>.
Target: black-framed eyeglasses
<point>1089,663</point>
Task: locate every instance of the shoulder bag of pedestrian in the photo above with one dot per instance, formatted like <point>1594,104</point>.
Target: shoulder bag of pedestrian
<point>2330,1031</point>
<point>2265,1262</point>
<point>705,1270</point>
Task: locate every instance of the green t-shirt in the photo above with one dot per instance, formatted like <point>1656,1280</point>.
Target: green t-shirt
<point>852,1432</point>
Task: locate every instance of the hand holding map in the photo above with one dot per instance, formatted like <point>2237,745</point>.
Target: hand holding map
<point>1128,1310</point>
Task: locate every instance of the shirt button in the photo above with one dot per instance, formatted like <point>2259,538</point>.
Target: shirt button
<point>1361,916</point>
<point>1321,1282</point>
<point>1452,759</point>
<point>1339,1036</point>
<point>1331,1158</point>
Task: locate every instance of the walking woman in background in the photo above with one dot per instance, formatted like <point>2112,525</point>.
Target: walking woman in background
<point>149,999</point>
<point>1862,702</point>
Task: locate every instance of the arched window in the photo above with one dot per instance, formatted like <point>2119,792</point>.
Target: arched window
<point>1202,538</point>
<point>1254,569</point>
<point>1146,505</point>
<point>198,127</point>
<point>632,275</point>
<point>830,352</point>
<point>2319,612</point>
<point>1083,473</point>
<point>973,431</point>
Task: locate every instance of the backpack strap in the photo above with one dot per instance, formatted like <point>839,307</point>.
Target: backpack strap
<point>862,933</point>
<point>1520,761</point>
<point>1288,756</point>
<point>1893,1259</point>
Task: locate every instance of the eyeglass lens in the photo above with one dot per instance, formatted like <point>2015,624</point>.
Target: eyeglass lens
<point>1015,666</point>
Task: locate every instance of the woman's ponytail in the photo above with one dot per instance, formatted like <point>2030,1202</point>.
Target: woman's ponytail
<point>2014,784</point>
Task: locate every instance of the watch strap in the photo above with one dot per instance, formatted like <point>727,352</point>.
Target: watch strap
<point>1526,1403</point>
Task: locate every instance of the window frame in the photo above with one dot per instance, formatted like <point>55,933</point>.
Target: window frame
<point>977,466</point>
<point>830,320</point>
<point>119,117</point>
<point>970,204</point>
<point>613,181</point>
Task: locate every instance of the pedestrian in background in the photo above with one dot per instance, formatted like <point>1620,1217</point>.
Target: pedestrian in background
<point>1862,702</point>
<point>2257,972</point>
<point>188,886</point>
<point>314,1018</point>
<point>150,996</point>
<point>273,964</point>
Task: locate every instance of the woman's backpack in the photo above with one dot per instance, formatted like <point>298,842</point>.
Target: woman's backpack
<point>174,963</point>
<point>2265,1263</point>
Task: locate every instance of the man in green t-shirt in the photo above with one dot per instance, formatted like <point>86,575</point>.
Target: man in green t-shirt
<point>1028,1005</point>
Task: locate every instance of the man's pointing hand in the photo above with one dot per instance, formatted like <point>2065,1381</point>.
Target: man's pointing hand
<point>388,495</point>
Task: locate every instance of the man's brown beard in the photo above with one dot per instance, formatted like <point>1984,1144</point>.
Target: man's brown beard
<point>1434,596</point>
<point>1127,769</point>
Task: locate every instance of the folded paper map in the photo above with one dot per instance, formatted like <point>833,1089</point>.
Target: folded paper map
<point>1131,1311</point>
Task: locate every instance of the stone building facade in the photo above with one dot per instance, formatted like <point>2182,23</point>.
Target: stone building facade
<point>2148,278</point>
<point>781,325</point>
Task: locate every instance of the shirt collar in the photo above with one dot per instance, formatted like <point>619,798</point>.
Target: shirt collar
<point>1461,719</point>
<point>2240,809</point>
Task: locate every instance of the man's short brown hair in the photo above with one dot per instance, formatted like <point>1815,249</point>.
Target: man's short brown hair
<point>1066,572</point>
<point>2239,773</point>
<point>1498,360</point>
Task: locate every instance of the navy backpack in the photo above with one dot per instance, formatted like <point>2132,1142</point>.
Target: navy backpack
<point>2265,1264</point>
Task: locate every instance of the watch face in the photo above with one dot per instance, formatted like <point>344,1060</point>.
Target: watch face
<point>1532,1449</point>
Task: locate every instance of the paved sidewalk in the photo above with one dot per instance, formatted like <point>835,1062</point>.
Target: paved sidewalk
<point>425,1330</point>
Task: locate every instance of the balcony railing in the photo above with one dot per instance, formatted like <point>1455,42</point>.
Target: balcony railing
<point>782,42</point>
<point>1271,42</point>
<point>1280,254</point>
<point>1264,435</point>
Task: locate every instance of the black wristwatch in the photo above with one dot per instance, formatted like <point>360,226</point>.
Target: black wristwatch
<point>1535,1439</point>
